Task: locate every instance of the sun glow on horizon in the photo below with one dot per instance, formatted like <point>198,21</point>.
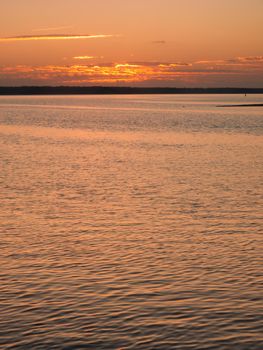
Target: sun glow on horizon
<point>134,72</point>
<point>168,42</point>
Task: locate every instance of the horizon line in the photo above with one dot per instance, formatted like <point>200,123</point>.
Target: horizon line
<point>121,90</point>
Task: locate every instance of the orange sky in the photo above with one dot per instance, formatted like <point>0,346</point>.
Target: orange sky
<point>132,42</point>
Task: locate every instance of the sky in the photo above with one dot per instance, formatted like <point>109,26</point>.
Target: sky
<point>175,43</point>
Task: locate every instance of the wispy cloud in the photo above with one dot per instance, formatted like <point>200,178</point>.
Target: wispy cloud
<point>159,42</point>
<point>51,29</point>
<point>84,57</point>
<point>237,61</point>
<point>250,59</point>
<point>55,37</point>
<point>161,64</point>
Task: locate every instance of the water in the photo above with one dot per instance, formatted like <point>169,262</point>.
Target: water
<point>131,222</point>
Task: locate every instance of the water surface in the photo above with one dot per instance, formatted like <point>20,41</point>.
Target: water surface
<point>131,222</point>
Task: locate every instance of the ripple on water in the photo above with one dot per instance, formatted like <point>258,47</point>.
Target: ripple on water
<point>130,229</point>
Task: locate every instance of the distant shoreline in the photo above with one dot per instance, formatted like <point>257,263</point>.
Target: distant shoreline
<point>244,105</point>
<point>102,90</point>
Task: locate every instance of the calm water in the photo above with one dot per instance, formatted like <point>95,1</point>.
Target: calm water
<point>131,222</point>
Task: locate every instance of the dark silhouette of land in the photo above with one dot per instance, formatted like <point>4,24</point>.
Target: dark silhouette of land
<point>244,105</point>
<point>102,90</point>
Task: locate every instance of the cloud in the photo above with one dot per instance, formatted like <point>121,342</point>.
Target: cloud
<point>205,62</point>
<point>237,61</point>
<point>161,64</point>
<point>51,28</point>
<point>250,59</point>
<point>126,65</point>
<point>160,42</point>
<point>174,65</point>
<point>104,73</point>
<point>55,37</point>
<point>84,57</point>
<point>130,72</point>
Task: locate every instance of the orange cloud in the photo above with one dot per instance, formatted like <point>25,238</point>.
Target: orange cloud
<point>238,61</point>
<point>83,57</point>
<point>160,42</point>
<point>250,59</point>
<point>55,37</point>
<point>51,29</point>
<point>125,72</point>
<point>204,72</point>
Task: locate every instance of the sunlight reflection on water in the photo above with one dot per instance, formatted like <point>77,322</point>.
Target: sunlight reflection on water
<point>130,228</point>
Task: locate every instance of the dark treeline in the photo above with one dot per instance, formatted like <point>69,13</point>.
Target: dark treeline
<point>102,90</point>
